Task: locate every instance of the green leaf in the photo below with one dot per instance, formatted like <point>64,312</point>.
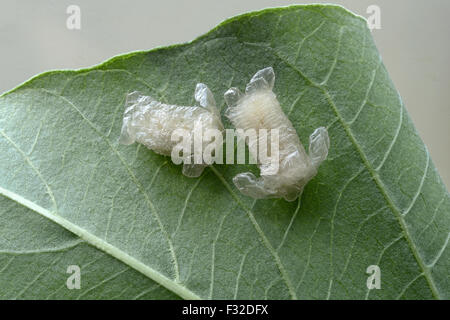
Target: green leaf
<point>377,200</point>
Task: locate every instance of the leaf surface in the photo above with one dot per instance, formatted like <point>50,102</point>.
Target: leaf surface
<point>377,200</point>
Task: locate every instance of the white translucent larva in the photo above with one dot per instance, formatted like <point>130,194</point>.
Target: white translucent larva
<point>258,109</point>
<point>152,123</point>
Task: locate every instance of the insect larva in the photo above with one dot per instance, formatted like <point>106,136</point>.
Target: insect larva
<point>259,109</point>
<point>152,124</point>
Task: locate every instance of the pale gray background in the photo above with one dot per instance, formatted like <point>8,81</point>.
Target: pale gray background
<point>413,40</point>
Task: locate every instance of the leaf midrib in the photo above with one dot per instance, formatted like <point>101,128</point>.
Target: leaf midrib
<point>101,244</point>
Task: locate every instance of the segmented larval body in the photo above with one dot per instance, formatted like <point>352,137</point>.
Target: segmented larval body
<point>259,109</point>
<point>152,123</point>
